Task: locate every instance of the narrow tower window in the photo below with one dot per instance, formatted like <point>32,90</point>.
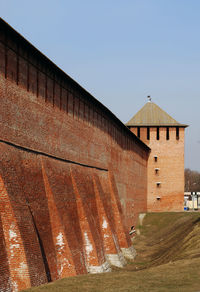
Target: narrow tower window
<point>177,133</point>
<point>158,184</point>
<point>158,134</point>
<point>148,133</point>
<point>138,132</point>
<point>167,133</point>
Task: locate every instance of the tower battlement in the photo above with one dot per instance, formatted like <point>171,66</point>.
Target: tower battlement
<point>165,136</point>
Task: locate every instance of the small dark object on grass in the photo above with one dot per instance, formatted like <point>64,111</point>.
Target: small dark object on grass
<point>132,230</point>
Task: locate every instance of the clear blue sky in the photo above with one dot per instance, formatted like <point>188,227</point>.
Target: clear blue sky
<point>121,51</point>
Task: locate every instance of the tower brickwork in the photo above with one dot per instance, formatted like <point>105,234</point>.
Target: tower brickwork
<point>165,137</point>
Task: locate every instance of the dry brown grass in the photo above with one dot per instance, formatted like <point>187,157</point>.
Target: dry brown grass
<point>168,237</point>
<point>168,260</point>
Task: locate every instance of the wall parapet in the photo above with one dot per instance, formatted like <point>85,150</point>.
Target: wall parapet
<point>23,64</point>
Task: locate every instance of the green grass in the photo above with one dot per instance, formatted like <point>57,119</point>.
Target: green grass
<point>168,259</point>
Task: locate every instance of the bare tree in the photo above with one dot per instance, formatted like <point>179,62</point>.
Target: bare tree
<point>192,180</point>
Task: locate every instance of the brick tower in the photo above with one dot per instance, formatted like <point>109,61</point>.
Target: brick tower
<point>165,137</point>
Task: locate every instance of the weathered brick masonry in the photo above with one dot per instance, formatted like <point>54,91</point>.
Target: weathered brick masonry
<point>73,178</point>
<point>165,170</point>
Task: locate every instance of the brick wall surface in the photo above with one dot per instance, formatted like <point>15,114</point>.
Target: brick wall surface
<point>72,178</point>
<point>170,165</point>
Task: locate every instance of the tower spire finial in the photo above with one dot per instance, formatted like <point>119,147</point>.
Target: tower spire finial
<point>149,98</point>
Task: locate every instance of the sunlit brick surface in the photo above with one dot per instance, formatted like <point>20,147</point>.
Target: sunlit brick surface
<point>72,177</point>
<point>168,170</point>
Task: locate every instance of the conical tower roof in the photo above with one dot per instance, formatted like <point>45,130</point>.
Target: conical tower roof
<point>152,115</point>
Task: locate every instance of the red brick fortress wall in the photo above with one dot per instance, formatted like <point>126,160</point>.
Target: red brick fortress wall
<point>72,177</point>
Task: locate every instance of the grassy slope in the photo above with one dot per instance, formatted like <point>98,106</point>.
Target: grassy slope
<point>168,259</point>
